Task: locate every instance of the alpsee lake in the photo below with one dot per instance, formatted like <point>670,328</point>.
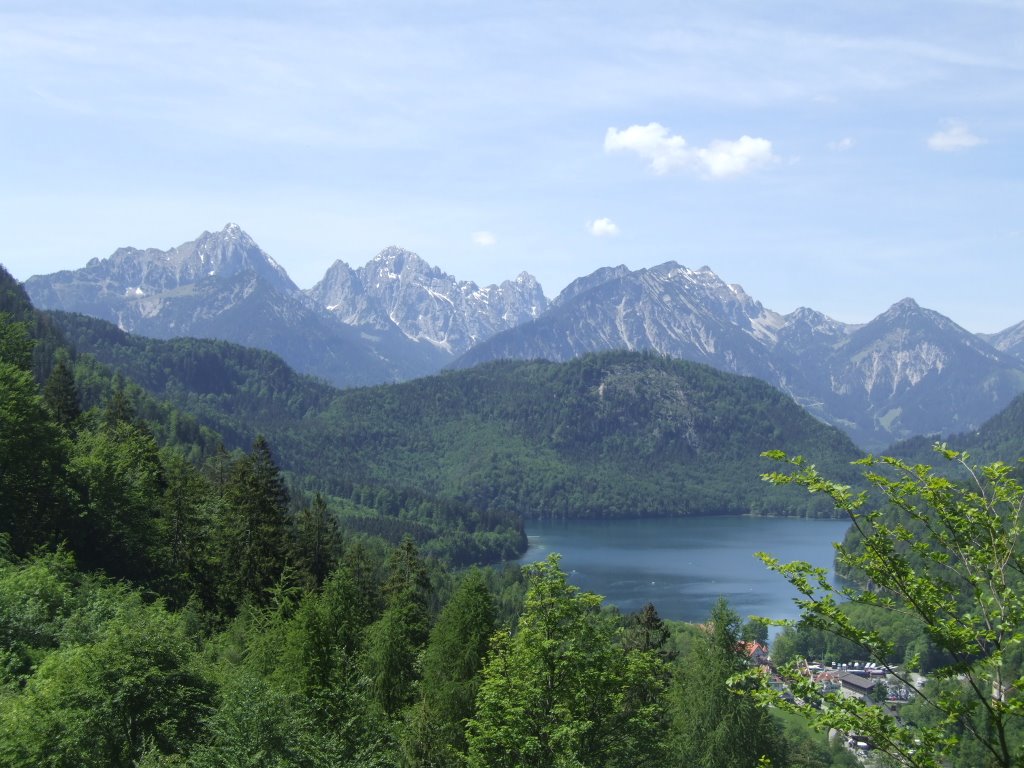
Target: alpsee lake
<point>683,565</point>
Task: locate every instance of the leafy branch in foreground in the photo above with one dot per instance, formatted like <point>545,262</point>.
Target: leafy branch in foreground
<point>946,555</point>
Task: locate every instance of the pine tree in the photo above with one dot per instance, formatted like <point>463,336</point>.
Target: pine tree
<point>646,631</point>
<point>185,525</point>
<point>119,407</point>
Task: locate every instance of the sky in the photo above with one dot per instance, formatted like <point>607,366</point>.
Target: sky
<point>837,155</point>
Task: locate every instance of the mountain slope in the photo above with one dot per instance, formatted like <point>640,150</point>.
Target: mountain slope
<point>609,435</point>
<point>223,286</point>
<point>1000,438</point>
<point>914,371</point>
<point>909,371</point>
<point>1010,340</point>
<point>669,309</point>
<point>619,434</point>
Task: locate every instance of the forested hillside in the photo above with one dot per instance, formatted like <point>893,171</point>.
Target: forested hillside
<point>999,438</point>
<point>611,435</point>
<point>219,401</point>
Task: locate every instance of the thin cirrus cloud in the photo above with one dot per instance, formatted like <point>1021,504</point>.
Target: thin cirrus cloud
<point>955,136</point>
<point>667,152</point>
<point>603,228</point>
<point>484,239</point>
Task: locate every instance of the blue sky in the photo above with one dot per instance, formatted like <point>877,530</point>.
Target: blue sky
<point>837,155</point>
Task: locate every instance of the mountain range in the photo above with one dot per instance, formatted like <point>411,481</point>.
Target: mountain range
<point>909,371</point>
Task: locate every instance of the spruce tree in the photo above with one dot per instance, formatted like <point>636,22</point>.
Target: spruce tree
<point>317,539</point>
<point>394,641</point>
<point>253,535</point>
<point>451,676</point>
<point>61,394</point>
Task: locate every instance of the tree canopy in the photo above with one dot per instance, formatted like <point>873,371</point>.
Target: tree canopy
<point>946,555</point>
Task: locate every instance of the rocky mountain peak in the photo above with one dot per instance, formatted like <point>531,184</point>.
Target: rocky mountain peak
<point>1010,340</point>
<point>394,262</point>
<point>594,279</point>
<point>903,308</point>
<point>223,254</point>
<point>342,293</point>
<point>911,320</point>
<point>139,274</point>
<point>804,329</point>
<point>427,304</point>
<point>813,320</point>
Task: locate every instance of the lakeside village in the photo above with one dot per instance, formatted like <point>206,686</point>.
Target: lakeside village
<point>868,682</point>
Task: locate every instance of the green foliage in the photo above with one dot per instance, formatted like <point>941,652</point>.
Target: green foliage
<point>393,642</point>
<point>184,520</point>
<point>806,748</point>
<point>36,599</point>
<point>561,691</point>
<point>754,630</point>
<point>129,685</point>
<point>715,724</point>
<point>908,643</point>
<point>33,451</point>
<point>117,472</point>
<point>619,434</point>
<point>451,667</point>
<point>15,343</point>
<point>16,312</point>
<point>948,556</point>
<point>252,537</point>
<point>212,387</point>
<point>317,539</point>
<point>61,394</point>
<point>613,435</point>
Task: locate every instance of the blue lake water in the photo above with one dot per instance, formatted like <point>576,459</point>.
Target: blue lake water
<point>683,565</point>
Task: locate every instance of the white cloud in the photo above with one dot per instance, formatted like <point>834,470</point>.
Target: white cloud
<point>955,136</point>
<point>603,228</point>
<point>667,152</point>
<point>484,238</point>
<point>842,145</point>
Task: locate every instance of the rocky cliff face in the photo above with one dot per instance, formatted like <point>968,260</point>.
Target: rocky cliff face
<point>399,287</point>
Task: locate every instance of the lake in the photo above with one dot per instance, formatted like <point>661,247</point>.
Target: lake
<point>683,565</point>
